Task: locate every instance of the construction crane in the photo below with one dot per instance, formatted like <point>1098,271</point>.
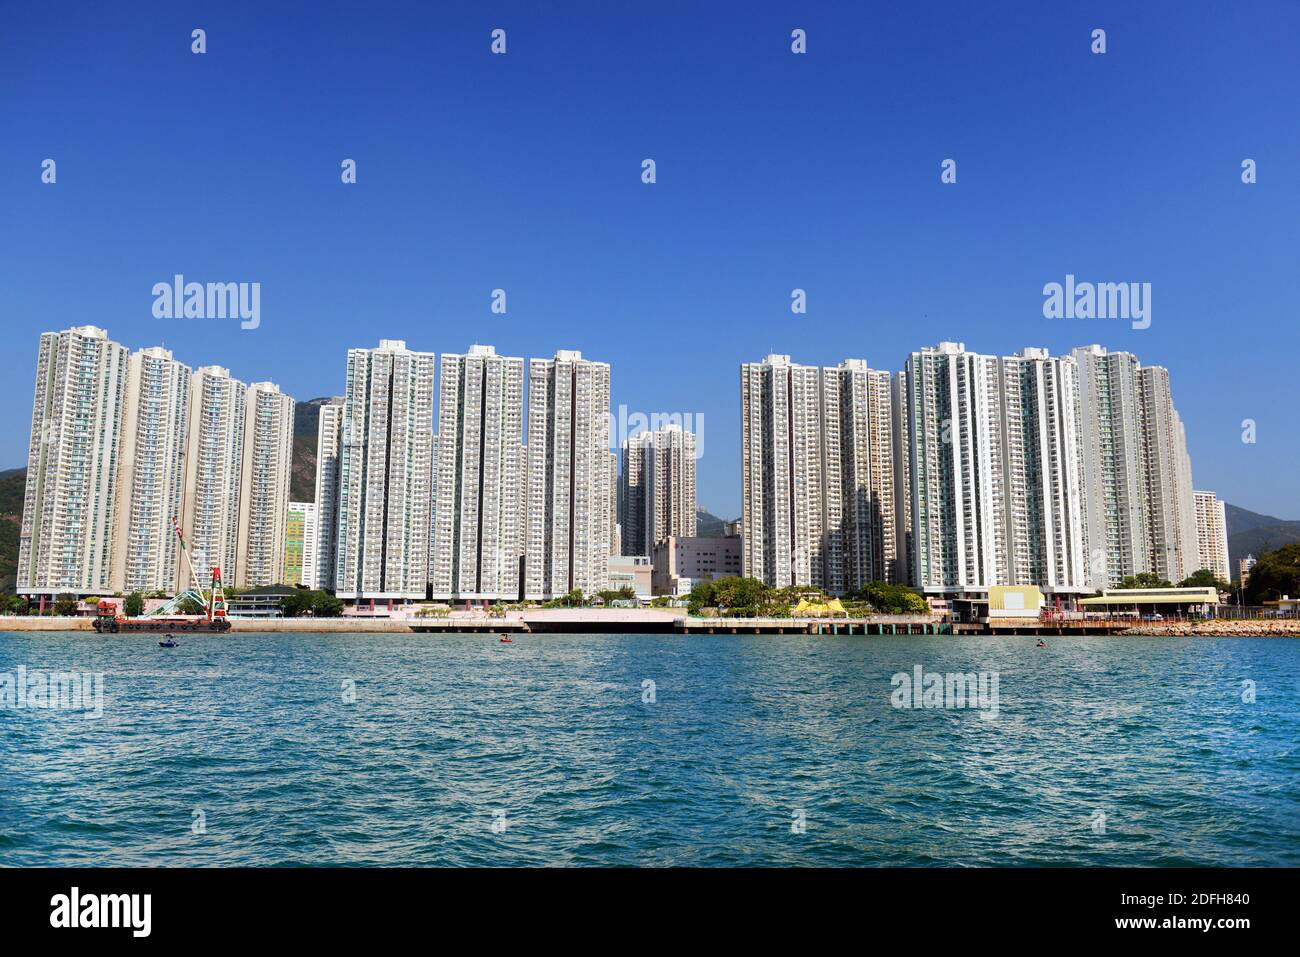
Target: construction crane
<point>214,604</point>
<point>168,616</point>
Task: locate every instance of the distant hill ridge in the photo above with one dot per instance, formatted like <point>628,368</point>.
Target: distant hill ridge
<point>13,484</point>
<point>707,524</point>
<point>306,424</point>
<point>1250,533</point>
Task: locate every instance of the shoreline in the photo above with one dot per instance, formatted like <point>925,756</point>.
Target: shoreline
<point>592,621</point>
<point>1226,628</point>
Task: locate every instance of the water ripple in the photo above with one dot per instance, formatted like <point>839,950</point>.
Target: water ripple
<point>241,750</point>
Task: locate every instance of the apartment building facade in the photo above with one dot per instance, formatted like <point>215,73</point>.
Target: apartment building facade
<point>155,439</point>
<point>858,467</point>
<point>1167,473</point>
<point>385,474</point>
<point>901,446</point>
<point>479,502</point>
<point>1043,466</point>
<point>1114,486</point>
<point>615,507</point>
<point>567,542</point>
<point>264,483</point>
<point>657,491</point>
<point>301,535</point>
<point>214,473</point>
<point>1212,535</point>
<point>69,529</point>
<point>1009,469</point>
<point>817,474</point>
<point>1066,472</point>
<point>1140,513</point>
<point>957,470</point>
<point>329,446</point>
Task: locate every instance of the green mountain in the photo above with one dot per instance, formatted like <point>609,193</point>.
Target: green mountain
<point>707,524</point>
<point>13,484</point>
<point>1250,533</point>
<point>302,477</point>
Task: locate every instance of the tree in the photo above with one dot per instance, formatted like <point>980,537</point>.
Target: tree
<point>133,605</point>
<point>65,604</point>
<point>572,600</point>
<point>299,603</point>
<point>741,597</point>
<point>1145,580</point>
<point>626,593</point>
<point>1277,573</point>
<point>888,598</point>
<point>792,593</point>
<point>188,606</point>
<point>1204,578</point>
<point>325,605</point>
<point>701,597</point>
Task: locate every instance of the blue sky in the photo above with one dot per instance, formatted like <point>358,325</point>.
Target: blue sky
<point>775,172</point>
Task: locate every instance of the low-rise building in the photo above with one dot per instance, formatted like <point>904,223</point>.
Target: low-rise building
<point>630,571</point>
<point>1015,601</point>
<point>263,602</point>
<point>1174,602</point>
<point>1284,607</point>
<point>700,558</point>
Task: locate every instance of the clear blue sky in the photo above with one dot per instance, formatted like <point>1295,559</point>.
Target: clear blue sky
<point>775,171</point>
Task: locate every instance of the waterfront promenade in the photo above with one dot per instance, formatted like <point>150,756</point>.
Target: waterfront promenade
<point>676,621</point>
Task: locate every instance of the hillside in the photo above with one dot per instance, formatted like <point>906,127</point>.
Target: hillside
<point>1250,533</point>
<point>302,478</point>
<point>13,483</point>
<point>707,524</point>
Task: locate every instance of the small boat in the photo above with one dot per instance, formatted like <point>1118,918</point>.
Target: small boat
<point>1041,644</point>
<point>505,640</point>
<point>168,642</point>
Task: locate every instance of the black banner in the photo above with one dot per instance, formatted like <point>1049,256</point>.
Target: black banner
<point>94,906</point>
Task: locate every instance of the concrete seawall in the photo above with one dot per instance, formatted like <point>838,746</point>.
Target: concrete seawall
<point>1223,628</point>
<point>44,623</point>
<point>664,621</point>
<point>316,626</point>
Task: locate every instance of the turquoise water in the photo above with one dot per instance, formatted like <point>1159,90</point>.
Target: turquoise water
<point>249,736</point>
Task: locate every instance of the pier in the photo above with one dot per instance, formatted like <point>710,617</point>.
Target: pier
<point>815,626</point>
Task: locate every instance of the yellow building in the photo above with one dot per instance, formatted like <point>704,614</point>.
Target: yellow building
<point>1015,601</point>
<point>300,545</point>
